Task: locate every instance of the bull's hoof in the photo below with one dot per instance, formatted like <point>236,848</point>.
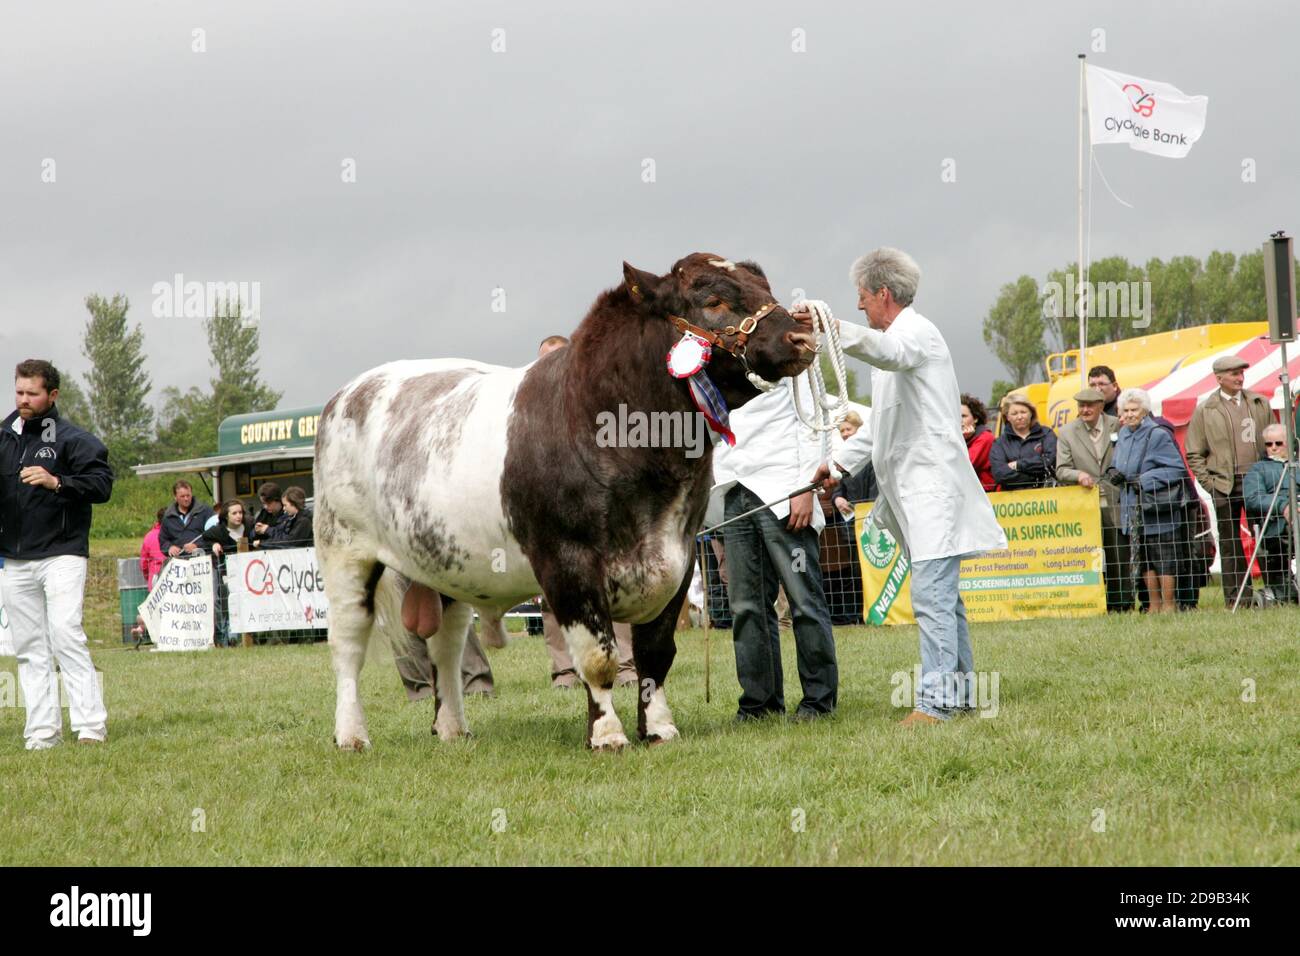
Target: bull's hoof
<point>352,743</point>
<point>662,735</point>
<point>608,743</point>
<point>451,738</point>
<point>447,728</point>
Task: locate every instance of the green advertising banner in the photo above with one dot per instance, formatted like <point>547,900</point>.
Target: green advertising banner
<point>1052,566</point>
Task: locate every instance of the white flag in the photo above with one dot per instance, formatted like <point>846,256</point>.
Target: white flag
<point>1150,116</point>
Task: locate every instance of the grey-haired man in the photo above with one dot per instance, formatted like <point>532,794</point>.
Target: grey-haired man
<point>930,499</point>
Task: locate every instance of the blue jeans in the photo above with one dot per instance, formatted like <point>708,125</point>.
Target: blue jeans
<point>761,553</point>
<point>946,654</point>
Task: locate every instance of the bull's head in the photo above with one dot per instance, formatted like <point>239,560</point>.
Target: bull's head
<point>723,298</point>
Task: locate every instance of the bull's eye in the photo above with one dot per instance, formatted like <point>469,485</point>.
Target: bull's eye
<point>712,302</point>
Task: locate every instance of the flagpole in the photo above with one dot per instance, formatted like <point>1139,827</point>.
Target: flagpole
<point>1083,295</point>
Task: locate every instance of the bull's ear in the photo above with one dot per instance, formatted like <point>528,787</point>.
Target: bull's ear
<point>642,286</point>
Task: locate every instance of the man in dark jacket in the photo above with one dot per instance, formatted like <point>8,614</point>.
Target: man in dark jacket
<point>183,521</point>
<point>51,472</point>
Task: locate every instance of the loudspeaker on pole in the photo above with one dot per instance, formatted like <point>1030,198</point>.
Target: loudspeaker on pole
<point>1279,287</point>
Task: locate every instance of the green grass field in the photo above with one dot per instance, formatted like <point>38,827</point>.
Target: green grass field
<point>225,757</point>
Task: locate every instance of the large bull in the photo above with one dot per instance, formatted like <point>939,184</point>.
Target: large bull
<point>488,485</point>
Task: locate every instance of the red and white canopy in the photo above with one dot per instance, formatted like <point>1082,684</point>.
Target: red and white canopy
<point>1177,394</point>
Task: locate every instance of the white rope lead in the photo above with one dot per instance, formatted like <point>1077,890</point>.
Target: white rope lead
<point>828,409</point>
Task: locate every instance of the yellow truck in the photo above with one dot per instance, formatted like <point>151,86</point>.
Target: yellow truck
<point>1160,363</point>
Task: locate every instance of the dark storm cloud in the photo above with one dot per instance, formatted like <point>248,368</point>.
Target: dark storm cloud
<point>523,169</point>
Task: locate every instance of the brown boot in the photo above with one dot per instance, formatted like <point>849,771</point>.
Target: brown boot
<point>918,719</point>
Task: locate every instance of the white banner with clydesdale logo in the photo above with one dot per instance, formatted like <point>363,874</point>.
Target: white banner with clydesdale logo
<point>276,590</point>
<point>1152,117</point>
<point>179,609</point>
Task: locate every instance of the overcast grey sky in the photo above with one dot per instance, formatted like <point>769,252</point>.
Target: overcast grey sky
<point>523,169</point>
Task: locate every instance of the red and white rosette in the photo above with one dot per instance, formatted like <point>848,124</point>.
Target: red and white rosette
<point>688,356</point>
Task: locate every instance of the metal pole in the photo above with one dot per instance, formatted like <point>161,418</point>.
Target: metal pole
<point>1083,296</point>
<point>1288,421</point>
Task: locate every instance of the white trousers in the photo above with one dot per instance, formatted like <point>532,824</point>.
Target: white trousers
<point>43,600</point>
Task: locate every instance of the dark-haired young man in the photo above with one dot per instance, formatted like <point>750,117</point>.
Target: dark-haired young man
<point>268,519</point>
<point>51,472</point>
<point>1102,378</point>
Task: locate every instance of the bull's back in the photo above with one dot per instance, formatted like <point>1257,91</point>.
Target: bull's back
<point>408,463</point>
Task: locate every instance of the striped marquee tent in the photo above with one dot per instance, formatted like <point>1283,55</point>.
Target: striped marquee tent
<point>1176,395</point>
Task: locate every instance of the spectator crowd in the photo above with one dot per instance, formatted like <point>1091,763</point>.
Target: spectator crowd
<point>190,528</point>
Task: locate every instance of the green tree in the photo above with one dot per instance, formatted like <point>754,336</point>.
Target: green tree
<point>189,420</point>
<point>1014,328</point>
<point>72,401</point>
<point>1176,288</point>
<point>1214,290</point>
<point>1000,389</point>
<point>833,383</point>
<point>187,426</point>
<point>1249,301</point>
<point>118,384</point>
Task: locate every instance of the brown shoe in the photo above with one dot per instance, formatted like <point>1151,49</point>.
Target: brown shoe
<point>918,718</point>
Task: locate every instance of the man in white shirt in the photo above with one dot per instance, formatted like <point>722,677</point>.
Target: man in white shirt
<point>773,455</point>
<point>930,498</point>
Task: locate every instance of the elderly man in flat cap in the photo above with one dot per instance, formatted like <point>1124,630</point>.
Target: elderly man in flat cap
<point>1224,439</point>
<point>1084,449</point>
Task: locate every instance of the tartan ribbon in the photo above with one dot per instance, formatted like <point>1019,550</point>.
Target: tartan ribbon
<point>711,404</point>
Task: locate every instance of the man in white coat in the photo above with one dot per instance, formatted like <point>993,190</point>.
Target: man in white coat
<point>930,498</point>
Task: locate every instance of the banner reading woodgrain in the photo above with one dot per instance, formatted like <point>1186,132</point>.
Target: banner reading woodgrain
<point>1052,566</point>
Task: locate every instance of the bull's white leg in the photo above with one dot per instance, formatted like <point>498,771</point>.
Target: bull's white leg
<point>446,647</point>
<point>351,617</point>
<point>659,724</point>
<point>597,665</point>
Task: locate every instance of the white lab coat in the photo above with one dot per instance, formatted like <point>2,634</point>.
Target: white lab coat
<point>774,453</point>
<point>930,497</point>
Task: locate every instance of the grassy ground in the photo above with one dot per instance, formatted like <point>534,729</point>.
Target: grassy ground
<point>225,757</point>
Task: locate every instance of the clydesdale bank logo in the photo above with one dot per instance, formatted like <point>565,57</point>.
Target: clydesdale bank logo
<point>74,909</point>
<point>1142,102</point>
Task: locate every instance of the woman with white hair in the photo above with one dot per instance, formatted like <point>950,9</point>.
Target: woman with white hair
<point>1150,469</point>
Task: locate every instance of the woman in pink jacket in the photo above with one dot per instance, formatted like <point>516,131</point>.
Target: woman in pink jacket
<point>151,556</point>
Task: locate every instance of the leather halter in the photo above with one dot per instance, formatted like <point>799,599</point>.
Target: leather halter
<point>741,332</point>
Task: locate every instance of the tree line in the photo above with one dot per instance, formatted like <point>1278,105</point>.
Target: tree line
<point>114,400</point>
<point>1029,320</point>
